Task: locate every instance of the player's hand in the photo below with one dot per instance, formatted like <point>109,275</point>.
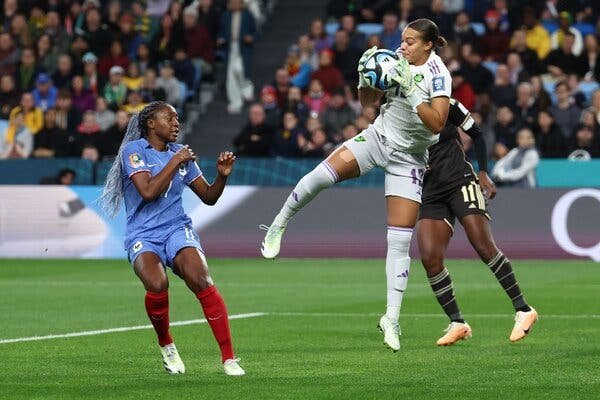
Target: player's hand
<point>365,56</point>
<point>185,154</point>
<point>225,163</point>
<point>488,187</point>
<point>403,76</point>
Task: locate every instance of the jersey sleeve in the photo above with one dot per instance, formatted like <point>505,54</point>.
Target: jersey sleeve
<point>440,84</point>
<point>194,172</point>
<point>133,160</point>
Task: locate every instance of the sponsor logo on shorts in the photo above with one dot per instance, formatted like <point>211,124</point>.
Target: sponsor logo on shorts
<point>135,160</point>
<point>137,247</point>
<point>438,83</point>
<point>360,139</point>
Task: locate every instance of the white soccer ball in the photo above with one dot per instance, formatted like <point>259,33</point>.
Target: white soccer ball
<point>378,69</point>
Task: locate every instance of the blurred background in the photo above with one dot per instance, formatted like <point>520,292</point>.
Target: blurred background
<point>275,81</point>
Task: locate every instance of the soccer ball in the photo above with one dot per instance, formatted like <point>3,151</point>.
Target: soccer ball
<point>378,69</point>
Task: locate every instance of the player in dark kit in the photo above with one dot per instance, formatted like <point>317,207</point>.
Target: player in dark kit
<point>451,190</point>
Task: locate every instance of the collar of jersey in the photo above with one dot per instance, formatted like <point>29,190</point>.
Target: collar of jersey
<point>147,145</point>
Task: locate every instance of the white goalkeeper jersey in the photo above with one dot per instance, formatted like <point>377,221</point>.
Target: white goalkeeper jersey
<point>399,122</point>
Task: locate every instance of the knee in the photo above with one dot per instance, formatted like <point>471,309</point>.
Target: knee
<point>157,285</point>
<point>199,284</point>
<point>433,262</point>
<point>486,250</point>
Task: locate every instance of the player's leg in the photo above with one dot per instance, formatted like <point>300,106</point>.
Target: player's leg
<point>433,236</point>
<point>401,218</point>
<point>150,270</point>
<point>478,230</point>
<point>190,264</point>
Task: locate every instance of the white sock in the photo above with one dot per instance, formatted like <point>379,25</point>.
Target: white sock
<point>397,265</point>
<point>322,177</point>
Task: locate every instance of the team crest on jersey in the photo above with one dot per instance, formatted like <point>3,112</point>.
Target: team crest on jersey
<point>419,78</point>
<point>137,247</point>
<point>360,139</point>
<point>438,83</point>
<point>135,160</point>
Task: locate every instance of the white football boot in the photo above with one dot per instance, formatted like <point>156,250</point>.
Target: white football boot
<point>171,360</point>
<point>391,333</point>
<point>232,367</point>
<point>272,241</point>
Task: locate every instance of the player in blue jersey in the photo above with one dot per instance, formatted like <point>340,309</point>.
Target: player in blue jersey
<point>150,174</point>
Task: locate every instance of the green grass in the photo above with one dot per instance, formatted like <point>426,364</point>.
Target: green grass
<point>298,356</point>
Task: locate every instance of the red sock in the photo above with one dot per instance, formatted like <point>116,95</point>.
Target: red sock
<point>157,307</point>
<point>216,315</point>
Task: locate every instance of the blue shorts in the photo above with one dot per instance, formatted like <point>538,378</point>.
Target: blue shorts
<point>168,249</point>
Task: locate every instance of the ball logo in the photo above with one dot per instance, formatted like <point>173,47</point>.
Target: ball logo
<point>560,215</point>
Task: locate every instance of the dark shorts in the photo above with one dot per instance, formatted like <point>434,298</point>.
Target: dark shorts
<point>462,200</point>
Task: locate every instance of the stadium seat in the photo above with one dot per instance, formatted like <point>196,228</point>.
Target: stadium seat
<point>370,29</point>
<point>491,65</point>
<point>550,25</point>
<point>585,29</point>
<point>479,28</point>
<point>331,28</point>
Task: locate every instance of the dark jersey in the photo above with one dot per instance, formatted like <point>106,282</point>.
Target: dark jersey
<point>448,166</point>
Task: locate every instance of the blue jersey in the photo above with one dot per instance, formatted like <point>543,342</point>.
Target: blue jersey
<point>157,219</point>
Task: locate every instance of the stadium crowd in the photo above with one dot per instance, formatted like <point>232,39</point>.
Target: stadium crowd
<point>525,69</point>
<point>72,72</point>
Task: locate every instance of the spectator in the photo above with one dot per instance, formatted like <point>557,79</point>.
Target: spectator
<point>44,93</point>
<point>595,107</point>
<point>337,114</point>
<point>584,144</point>
<point>115,57</point>
<point>184,68</point>
<point>298,70</point>
<point>391,37</point>
<point>170,85</point>
<point>463,91</point>
<point>143,24</point>
<point>537,37</point>
<point>517,169</point>
<point>463,32</point>
<point>19,138</point>
<point>506,127</point>
<point>565,112</point>
<point>282,86</point>
<point>110,140</point>
<point>47,53</point>
<point>286,142</point>
<point>163,43</point>
<point>591,58</point>
<point>296,105</point>
<point>503,92</point>
<point>349,131</point>
<point>495,42</point>
<point>316,99</point>
<point>27,70</point>
<point>132,79</point>
<point>516,71</point>
<point>9,96</point>
<point>57,33</point>
<point>318,146</point>
<point>88,128</point>
<point>561,62</point>
<point>198,41</point>
<point>448,56</point>
<point>65,176</point>
<point>104,116</point>
<point>83,99</point>
<point>63,75</point>
<point>115,90</point>
<point>565,20</point>
<point>442,18</point>
<point>209,13</point>
<point>307,52</point>
<point>501,8</point>
<point>67,118</point>
<point>549,138</point>
<point>112,14</point>
<point>143,58</point>
<point>346,57</point>
<point>237,35</point>
<point>20,31</point>
<point>330,77</point>
<point>356,39</point>
<point>525,108</point>
<point>318,36</point>
<point>541,97</point>
<point>135,102</point>
<point>91,79</point>
<point>150,90</point>
<point>9,55</point>
<point>90,152</point>
<point>256,136</point>
<point>96,34</point>
<point>32,116</point>
<point>480,77</point>
<point>405,13</point>
<point>126,34</point>
<point>79,47</point>
<point>577,95</point>
<point>268,98</point>
<point>530,59</point>
<point>46,140</point>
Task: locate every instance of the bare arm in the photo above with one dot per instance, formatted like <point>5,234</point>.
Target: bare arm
<point>209,194</point>
<point>434,115</point>
<point>369,96</point>
<point>151,187</point>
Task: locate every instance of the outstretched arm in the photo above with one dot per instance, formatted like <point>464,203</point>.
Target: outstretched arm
<point>209,194</point>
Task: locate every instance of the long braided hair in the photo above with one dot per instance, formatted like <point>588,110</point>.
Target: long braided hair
<point>112,194</point>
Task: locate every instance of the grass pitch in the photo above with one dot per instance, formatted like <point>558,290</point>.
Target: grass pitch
<point>316,340</point>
